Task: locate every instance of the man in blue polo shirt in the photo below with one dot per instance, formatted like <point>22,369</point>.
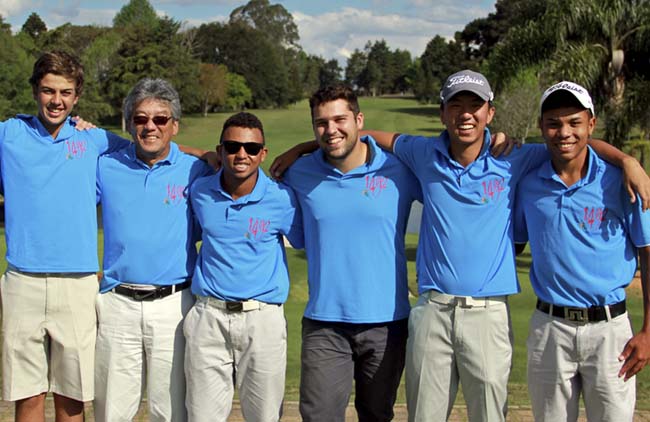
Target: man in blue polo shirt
<point>236,332</point>
<point>355,201</point>
<point>460,329</point>
<point>49,290</point>
<point>149,256</point>
<point>584,239</point>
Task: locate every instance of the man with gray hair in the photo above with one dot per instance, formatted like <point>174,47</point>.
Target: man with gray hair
<point>149,256</point>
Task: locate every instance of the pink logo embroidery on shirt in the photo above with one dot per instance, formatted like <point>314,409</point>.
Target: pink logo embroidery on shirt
<point>375,185</point>
<point>257,227</point>
<point>492,189</point>
<point>175,194</point>
<point>75,149</point>
<point>593,218</point>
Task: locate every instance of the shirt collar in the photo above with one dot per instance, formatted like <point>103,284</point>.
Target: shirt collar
<point>377,158</point>
<point>66,132</point>
<point>443,147</point>
<point>256,195</point>
<point>594,166</point>
<point>170,159</point>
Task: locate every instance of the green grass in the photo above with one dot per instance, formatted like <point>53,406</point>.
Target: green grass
<point>284,128</point>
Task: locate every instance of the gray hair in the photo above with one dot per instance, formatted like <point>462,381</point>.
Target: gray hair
<point>158,89</point>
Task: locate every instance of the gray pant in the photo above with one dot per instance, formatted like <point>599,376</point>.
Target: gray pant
<point>335,353</point>
<point>566,359</point>
<point>458,339</point>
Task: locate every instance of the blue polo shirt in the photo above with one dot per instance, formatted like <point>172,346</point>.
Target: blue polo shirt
<point>242,255</point>
<point>149,233</point>
<point>355,224</point>
<point>49,190</point>
<point>466,241</point>
<point>582,237</point>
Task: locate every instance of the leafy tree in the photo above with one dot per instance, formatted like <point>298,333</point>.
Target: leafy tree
<point>586,41</point>
<point>330,73</point>
<point>482,34</point>
<point>73,38</point>
<point>98,59</point>
<point>155,52</point>
<point>238,93</point>
<point>273,20</point>
<point>440,59</point>
<point>16,67</point>
<point>355,67</point>
<point>213,82</point>
<point>248,52</point>
<point>136,13</point>
<point>4,26</point>
<point>34,26</point>
<point>517,105</point>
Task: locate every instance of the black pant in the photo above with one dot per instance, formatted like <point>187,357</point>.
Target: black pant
<point>335,353</point>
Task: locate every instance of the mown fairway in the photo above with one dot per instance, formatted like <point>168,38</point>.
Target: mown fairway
<point>286,127</point>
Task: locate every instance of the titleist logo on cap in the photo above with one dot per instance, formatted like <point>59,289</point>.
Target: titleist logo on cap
<point>569,87</point>
<point>464,79</point>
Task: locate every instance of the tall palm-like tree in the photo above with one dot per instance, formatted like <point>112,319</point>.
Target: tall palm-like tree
<point>586,41</point>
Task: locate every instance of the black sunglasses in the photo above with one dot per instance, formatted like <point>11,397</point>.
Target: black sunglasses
<point>251,148</point>
<point>157,120</point>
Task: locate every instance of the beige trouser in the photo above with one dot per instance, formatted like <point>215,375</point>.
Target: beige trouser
<point>48,329</point>
<point>566,358</point>
<point>244,348</point>
<point>454,339</point>
<point>138,343</point>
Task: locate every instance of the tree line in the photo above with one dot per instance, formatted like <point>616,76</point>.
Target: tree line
<point>254,60</point>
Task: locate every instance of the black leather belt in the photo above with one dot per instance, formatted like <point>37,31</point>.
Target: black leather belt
<point>157,293</point>
<point>592,314</point>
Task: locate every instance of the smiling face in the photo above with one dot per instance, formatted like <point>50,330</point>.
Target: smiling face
<point>152,140</point>
<point>55,97</point>
<point>241,167</point>
<point>466,116</point>
<point>337,131</point>
<point>567,131</point>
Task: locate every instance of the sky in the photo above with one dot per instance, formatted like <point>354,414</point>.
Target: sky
<point>331,29</point>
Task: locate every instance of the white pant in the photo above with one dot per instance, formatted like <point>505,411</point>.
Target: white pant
<point>248,349</point>
<point>454,339</point>
<point>567,358</point>
<point>138,342</point>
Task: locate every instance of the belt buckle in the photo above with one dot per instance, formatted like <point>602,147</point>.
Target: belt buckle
<point>235,306</point>
<point>146,295</point>
<point>576,314</point>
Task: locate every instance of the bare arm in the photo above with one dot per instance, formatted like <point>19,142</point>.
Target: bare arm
<point>385,140</point>
<point>283,161</point>
<point>636,353</point>
<point>210,157</point>
<point>634,176</point>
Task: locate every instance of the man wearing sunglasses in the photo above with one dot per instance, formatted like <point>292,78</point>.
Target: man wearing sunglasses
<point>236,332</point>
<point>149,255</point>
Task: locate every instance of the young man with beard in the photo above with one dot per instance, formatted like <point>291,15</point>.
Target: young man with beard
<point>460,331</point>
<point>585,238</point>
<point>355,201</point>
<point>236,332</point>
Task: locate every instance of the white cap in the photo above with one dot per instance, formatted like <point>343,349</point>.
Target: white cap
<point>579,92</point>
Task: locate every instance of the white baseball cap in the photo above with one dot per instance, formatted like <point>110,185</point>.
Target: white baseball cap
<point>579,92</point>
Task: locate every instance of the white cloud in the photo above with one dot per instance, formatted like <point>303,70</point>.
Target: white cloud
<point>10,8</point>
<point>337,34</point>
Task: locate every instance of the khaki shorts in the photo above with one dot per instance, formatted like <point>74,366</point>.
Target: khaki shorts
<point>49,326</point>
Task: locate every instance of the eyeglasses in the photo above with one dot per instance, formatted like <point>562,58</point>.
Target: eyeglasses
<point>251,148</point>
<point>157,120</point>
